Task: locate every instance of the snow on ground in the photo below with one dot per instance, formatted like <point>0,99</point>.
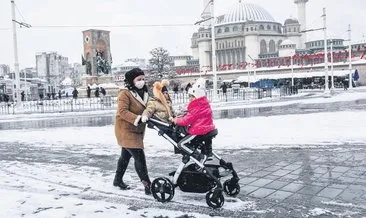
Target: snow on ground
<point>69,190</point>
<point>254,132</point>
<point>318,98</point>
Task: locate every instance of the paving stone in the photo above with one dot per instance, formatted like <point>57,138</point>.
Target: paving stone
<point>358,188</point>
<point>260,182</point>
<point>247,189</point>
<point>320,170</point>
<point>353,173</point>
<point>292,167</point>
<point>332,174</point>
<point>296,172</point>
<point>273,168</point>
<point>292,187</point>
<point>281,172</point>
<point>291,177</point>
<point>350,196</point>
<point>271,177</point>
<point>310,190</point>
<point>279,195</point>
<point>340,169</point>
<point>347,179</point>
<point>304,199</point>
<point>329,192</point>
<point>261,173</point>
<point>316,200</point>
<point>247,180</point>
<point>262,192</point>
<point>282,163</point>
<point>276,185</point>
<point>338,186</point>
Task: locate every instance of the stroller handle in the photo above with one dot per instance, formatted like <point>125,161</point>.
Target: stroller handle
<point>159,122</point>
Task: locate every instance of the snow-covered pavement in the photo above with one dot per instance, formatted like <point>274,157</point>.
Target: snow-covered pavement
<point>298,165</point>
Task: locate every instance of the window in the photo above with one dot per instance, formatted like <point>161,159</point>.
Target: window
<point>227,29</point>
<point>268,27</point>
<point>219,31</point>
<point>272,46</point>
<point>235,29</point>
<point>263,46</point>
<point>251,29</point>
<point>261,27</point>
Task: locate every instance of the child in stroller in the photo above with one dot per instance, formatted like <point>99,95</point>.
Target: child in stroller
<point>197,177</point>
<point>198,119</point>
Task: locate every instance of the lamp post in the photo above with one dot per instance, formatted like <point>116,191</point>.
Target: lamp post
<point>331,63</point>
<point>214,96</point>
<point>350,57</point>
<point>292,71</point>
<point>326,87</point>
<point>16,62</point>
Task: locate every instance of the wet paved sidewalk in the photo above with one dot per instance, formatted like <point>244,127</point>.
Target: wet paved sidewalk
<point>325,181</point>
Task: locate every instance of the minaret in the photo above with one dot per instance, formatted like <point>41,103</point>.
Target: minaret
<point>301,10</point>
<point>206,14</point>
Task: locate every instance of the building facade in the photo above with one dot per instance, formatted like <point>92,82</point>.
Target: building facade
<point>4,70</point>
<point>247,32</point>
<point>51,67</point>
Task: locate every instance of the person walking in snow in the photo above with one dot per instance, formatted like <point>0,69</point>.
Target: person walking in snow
<point>130,131</point>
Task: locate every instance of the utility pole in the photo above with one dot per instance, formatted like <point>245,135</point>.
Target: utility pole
<point>16,61</point>
<point>213,20</point>
<point>350,57</point>
<point>326,87</point>
<point>331,66</point>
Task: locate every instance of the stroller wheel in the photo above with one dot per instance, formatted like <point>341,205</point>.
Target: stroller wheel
<point>215,199</point>
<point>231,188</point>
<point>162,189</point>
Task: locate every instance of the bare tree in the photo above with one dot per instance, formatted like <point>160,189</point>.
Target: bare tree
<point>159,62</point>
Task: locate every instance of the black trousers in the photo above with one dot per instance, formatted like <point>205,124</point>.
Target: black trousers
<point>138,155</point>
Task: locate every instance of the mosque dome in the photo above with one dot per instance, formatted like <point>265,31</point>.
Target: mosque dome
<point>291,21</point>
<point>243,12</point>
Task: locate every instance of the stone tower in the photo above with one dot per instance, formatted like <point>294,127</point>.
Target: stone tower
<point>97,52</point>
<point>301,10</point>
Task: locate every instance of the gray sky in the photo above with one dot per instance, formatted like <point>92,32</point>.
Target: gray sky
<point>137,42</point>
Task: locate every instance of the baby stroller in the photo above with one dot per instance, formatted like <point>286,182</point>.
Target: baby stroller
<point>192,175</point>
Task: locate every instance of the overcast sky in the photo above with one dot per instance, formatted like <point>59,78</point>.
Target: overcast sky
<point>137,42</point>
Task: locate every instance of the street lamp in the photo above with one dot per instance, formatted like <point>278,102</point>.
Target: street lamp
<point>16,62</point>
<point>213,48</point>
<point>214,96</point>
<point>326,91</point>
<point>331,62</point>
<point>350,57</point>
<point>254,71</point>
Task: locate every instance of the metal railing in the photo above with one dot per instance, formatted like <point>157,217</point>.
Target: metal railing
<point>110,103</point>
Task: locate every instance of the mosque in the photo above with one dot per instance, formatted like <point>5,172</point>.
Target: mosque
<point>248,32</point>
<point>248,39</point>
